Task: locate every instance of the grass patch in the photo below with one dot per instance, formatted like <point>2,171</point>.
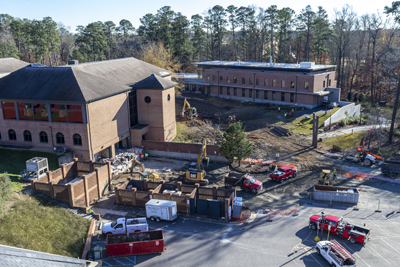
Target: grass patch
<point>345,141</point>
<point>303,125</point>
<point>182,133</point>
<point>38,225</point>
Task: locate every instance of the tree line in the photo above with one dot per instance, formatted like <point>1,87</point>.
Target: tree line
<point>364,48</point>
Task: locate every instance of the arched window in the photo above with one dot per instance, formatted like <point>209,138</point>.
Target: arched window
<point>43,137</point>
<point>12,135</point>
<point>60,138</point>
<point>27,136</point>
<point>77,140</point>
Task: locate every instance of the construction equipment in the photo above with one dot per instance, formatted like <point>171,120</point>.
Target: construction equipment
<point>325,178</point>
<point>143,174</point>
<point>196,173</point>
<point>188,112</point>
<point>366,156</point>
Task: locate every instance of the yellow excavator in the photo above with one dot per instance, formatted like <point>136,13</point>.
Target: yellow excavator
<point>143,174</point>
<point>325,177</point>
<point>188,112</point>
<point>196,173</point>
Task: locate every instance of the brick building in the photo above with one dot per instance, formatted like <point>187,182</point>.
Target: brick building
<point>92,108</point>
<point>304,85</point>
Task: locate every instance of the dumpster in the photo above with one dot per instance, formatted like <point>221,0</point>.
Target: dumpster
<point>340,194</point>
<point>135,243</point>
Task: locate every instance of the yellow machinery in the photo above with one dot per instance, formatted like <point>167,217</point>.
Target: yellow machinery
<point>143,174</point>
<point>188,112</point>
<point>325,178</point>
<point>196,174</point>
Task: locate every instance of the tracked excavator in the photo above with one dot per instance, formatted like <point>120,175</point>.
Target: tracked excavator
<point>188,112</point>
<point>143,174</point>
<point>196,173</point>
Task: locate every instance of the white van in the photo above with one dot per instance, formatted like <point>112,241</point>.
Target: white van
<point>157,210</point>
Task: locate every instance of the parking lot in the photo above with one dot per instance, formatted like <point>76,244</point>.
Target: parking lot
<point>280,240</point>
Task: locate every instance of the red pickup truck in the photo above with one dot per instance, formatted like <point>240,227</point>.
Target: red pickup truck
<point>340,227</point>
<point>283,173</point>
<point>246,182</point>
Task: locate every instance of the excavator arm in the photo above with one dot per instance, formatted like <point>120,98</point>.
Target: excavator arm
<point>202,155</point>
<point>134,162</point>
<point>186,106</point>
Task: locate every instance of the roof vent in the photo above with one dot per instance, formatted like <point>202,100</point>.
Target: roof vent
<point>307,65</point>
<point>73,62</point>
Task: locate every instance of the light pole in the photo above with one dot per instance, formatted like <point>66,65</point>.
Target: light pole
<point>295,108</point>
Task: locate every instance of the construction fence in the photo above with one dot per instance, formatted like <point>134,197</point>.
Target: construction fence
<point>77,183</point>
<point>187,197</point>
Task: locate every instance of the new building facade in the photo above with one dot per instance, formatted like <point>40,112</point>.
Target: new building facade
<point>91,108</point>
<point>304,85</point>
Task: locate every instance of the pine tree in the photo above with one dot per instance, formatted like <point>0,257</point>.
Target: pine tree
<point>233,144</point>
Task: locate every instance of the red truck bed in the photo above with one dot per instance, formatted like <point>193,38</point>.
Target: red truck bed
<point>135,243</point>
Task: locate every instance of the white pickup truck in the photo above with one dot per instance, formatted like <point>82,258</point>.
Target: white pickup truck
<point>123,226</point>
<point>335,254</point>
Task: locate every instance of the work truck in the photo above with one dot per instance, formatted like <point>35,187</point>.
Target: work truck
<point>124,226</point>
<point>283,173</point>
<point>246,182</point>
<point>340,227</point>
<point>335,254</point>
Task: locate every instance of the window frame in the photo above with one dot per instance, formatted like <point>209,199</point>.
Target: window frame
<point>43,137</point>
<point>27,136</point>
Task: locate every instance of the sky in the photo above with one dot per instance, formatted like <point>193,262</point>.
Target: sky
<point>82,12</point>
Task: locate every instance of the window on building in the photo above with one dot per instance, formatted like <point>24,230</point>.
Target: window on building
<point>12,135</point>
<point>265,94</point>
<point>228,91</point>
<point>75,113</point>
<point>27,136</point>
<point>257,81</point>
<point>323,84</point>
<point>208,77</point>
<point>234,92</point>
<point>250,81</point>
<point>43,137</point>
<point>147,99</point>
<point>257,94</point>
<point>58,113</point>
<point>265,82</point>
<point>291,97</point>
<point>273,83</point>
<point>250,93</point>
<point>243,80</point>
<point>169,97</point>
<point>133,111</point>
<point>282,97</point>
<point>329,82</point>
<point>221,91</point>
<point>77,140</point>
<point>220,78</point>
<point>228,79</point>
<point>234,79</point>
<point>208,90</point>
<point>291,84</point>
<point>273,96</point>
<point>243,92</point>
<point>60,139</point>
<point>213,77</point>
<point>305,85</point>
<point>282,83</point>
<point>9,111</point>
<point>25,111</point>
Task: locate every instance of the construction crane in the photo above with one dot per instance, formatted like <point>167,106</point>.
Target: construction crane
<point>196,173</point>
<point>143,174</point>
<point>188,112</point>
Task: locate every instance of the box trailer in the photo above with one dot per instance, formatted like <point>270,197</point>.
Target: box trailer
<point>157,210</point>
<point>135,243</point>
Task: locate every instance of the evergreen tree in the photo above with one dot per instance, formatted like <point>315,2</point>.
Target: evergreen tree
<point>233,144</point>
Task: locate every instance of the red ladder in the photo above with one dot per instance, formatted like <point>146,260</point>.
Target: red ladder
<point>342,251</point>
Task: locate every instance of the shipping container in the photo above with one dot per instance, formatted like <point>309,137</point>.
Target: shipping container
<point>135,243</point>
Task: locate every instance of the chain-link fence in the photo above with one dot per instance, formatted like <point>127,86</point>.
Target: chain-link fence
<point>379,204</point>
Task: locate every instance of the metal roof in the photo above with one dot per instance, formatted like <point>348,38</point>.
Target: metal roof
<point>303,66</point>
<point>18,257</point>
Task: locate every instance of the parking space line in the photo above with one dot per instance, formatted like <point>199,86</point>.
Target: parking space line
<point>388,219</point>
<point>379,254</point>
<point>134,259</point>
<point>119,262</point>
<point>103,261</point>
<point>354,253</point>
<point>390,246</point>
<point>378,227</point>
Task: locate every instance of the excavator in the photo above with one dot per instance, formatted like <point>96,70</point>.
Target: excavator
<point>196,173</point>
<point>188,112</point>
<point>143,174</point>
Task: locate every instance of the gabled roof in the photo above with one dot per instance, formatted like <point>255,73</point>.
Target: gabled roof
<point>8,65</point>
<point>154,82</point>
<point>85,82</point>
<point>17,257</point>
